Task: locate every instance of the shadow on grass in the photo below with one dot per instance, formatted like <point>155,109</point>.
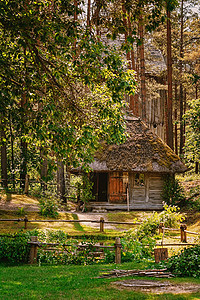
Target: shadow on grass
<point>77,226</point>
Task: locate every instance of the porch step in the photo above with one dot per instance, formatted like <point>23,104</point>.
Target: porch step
<point>99,210</point>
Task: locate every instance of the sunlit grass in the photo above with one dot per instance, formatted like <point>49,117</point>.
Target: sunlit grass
<point>75,282</point>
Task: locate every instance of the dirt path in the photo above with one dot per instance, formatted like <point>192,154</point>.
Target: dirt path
<point>94,217</point>
<point>19,201</point>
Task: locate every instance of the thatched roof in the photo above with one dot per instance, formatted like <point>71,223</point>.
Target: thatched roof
<point>143,151</point>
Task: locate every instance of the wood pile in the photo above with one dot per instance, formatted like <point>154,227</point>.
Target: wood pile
<point>157,273</point>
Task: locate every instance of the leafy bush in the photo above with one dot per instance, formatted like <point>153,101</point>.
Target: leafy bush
<point>135,242</point>
<point>87,186</point>
<point>173,192</point>
<point>14,248</point>
<point>69,254</point>
<point>171,216</point>
<point>135,248</point>
<point>187,263</point>
<point>48,207</point>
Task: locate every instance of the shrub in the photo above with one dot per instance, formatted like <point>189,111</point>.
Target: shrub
<point>173,192</point>
<point>187,263</point>
<point>48,207</point>
<point>70,254</point>
<point>135,248</point>
<point>171,216</point>
<point>14,248</point>
<point>86,190</point>
<point>134,243</point>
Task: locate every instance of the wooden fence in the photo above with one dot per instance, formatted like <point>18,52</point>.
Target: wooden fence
<point>182,229</point>
<point>160,253</point>
<point>101,222</point>
<point>183,233</point>
<point>35,244</point>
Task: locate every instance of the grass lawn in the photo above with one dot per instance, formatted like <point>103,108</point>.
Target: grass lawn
<point>72,282</point>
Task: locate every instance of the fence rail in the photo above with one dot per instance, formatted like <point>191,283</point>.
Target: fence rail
<point>183,231</point>
<point>183,227</point>
<point>34,244</point>
<point>101,222</point>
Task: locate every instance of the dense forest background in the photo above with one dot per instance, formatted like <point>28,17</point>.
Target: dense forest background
<point>70,69</point>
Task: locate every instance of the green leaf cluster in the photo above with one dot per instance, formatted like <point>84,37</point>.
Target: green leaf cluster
<point>192,145</point>
<point>62,90</point>
<point>173,192</point>
<point>14,248</point>
<point>187,263</point>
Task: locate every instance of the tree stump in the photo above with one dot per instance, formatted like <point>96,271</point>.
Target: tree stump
<point>160,254</point>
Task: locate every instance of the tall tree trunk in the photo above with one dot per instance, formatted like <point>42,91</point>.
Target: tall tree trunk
<point>43,170</point>
<point>196,163</point>
<point>23,164</point>
<point>169,123</point>
<point>96,18</point>
<point>88,14</point>
<point>67,183</point>
<point>181,86</point>
<point>125,16</point>
<point>23,156</point>
<point>4,174</point>
<point>196,167</point>
<point>142,68</point>
<point>12,153</point>
<point>134,101</point>
<point>175,118</point>
<point>61,181</point>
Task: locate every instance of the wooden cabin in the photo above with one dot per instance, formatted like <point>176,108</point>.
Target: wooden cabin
<point>130,176</point>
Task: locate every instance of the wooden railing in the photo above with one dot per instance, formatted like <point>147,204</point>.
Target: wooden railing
<point>182,229</point>
<point>102,222</point>
<point>35,244</point>
<point>183,234</point>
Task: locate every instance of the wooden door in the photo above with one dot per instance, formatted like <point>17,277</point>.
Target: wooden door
<point>118,183</point>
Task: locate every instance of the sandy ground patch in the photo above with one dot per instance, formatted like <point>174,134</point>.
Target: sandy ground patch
<point>157,287</point>
<point>18,201</point>
<point>94,217</point>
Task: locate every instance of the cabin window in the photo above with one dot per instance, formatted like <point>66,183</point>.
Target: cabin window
<point>139,180</point>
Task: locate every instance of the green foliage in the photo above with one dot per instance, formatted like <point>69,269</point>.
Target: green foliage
<point>171,216</point>
<point>135,242</point>
<point>21,211</point>
<point>187,263</point>
<point>173,192</point>
<point>72,85</point>
<point>86,189</point>
<point>135,248</point>
<point>48,207</point>
<point>192,146</point>
<point>70,254</point>
<point>14,248</point>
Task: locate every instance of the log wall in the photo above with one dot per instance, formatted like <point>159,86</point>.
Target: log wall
<point>144,191</point>
<point>147,196</point>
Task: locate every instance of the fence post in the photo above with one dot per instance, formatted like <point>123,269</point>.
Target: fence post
<point>183,227</point>
<point>33,250</point>
<point>118,247</point>
<point>161,225</point>
<point>25,222</point>
<point>101,224</point>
